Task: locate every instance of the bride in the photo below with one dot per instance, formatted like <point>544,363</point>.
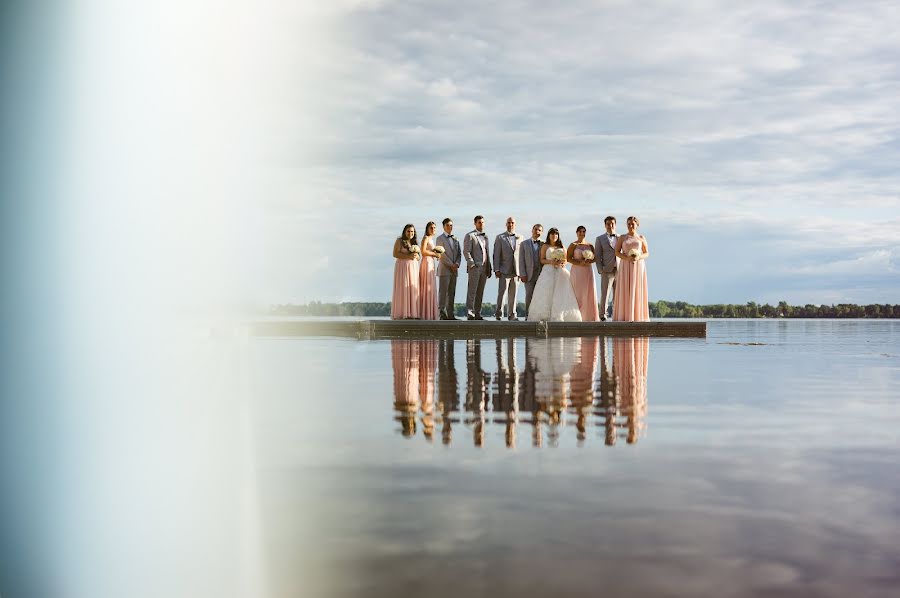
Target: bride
<point>554,298</point>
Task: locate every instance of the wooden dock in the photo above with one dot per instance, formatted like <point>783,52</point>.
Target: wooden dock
<point>387,329</point>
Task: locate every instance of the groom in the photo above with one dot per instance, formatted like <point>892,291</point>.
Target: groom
<point>506,267</point>
<point>530,262</point>
<point>607,262</point>
<point>478,267</point>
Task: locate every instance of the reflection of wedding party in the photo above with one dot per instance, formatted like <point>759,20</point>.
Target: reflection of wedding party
<point>426,273</point>
<point>586,383</point>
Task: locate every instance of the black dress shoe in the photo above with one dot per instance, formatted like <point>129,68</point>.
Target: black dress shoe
<point>478,318</point>
<point>471,318</point>
<point>497,317</point>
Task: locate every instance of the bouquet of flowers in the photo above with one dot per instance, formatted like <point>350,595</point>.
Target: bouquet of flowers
<point>413,249</point>
<point>634,253</point>
<point>588,255</point>
<point>557,254</point>
<point>439,249</point>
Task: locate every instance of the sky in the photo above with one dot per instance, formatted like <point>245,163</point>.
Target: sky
<point>757,143</point>
<point>186,154</point>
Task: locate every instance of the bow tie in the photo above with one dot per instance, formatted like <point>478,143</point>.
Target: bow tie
<point>481,234</point>
<point>510,234</point>
<point>451,236</point>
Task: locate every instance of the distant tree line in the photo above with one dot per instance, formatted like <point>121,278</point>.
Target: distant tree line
<point>658,309</point>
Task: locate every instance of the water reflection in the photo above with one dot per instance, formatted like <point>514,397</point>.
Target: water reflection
<point>414,364</point>
<point>588,387</point>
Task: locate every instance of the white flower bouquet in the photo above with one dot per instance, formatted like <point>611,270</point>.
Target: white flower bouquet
<point>634,253</point>
<point>556,254</point>
<point>414,249</point>
<point>588,255</point>
<point>439,249</point>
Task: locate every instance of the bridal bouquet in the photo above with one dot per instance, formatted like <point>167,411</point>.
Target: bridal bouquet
<point>588,255</point>
<point>556,254</point>
<point>439,249</point>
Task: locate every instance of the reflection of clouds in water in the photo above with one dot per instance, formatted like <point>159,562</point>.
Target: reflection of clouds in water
<point>560,385</point>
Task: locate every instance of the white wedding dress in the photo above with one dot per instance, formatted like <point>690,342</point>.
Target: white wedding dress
<point>554,298</point>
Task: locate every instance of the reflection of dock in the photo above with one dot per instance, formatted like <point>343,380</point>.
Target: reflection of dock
<point>411,329</point>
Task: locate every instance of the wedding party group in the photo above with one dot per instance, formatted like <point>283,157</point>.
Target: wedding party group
<point>425,273</point>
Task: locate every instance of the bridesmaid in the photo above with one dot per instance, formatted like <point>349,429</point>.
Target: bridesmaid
<point>583,277</point>
<point>405,298</point>
<point>631,303</point>
<point>428,295</point>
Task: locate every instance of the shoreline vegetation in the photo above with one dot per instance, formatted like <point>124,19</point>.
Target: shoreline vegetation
<point>658,309</point>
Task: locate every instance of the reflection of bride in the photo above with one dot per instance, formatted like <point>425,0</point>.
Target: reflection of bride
<point>551,361</point>
<point>554,298</point>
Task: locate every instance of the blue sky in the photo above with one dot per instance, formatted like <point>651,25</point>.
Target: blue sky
<point>272,154</point>
<point>758,144</point>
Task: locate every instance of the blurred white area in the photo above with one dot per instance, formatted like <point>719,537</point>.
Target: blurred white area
<point>144,141</point>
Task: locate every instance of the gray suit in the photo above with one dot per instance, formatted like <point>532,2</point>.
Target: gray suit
<point>506,262</point>
<point>607,263</point>
<point>530,267</point>
<point>478,266</point>
<point>447,276</point>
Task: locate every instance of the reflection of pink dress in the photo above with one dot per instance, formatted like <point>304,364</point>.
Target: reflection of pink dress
<point>405,298</point>
<point>405,363</point>
<point>630,360</point>
<point>631,302</point>
<point>428,296</point>
<point>585,289</point>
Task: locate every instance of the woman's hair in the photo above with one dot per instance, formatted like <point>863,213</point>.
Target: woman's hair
<point>414,240</point>
<point>581,227</point>
<point>637,221</point>
<point>430,223</point>
<point>554,231</point>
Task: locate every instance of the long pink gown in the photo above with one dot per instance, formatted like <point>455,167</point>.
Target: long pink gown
<point>405,298</point>
<point>631,301</point>
<point>428,292</point>
<point>585,289</point>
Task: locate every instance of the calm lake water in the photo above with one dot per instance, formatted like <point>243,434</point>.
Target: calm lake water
<point>762,460</point>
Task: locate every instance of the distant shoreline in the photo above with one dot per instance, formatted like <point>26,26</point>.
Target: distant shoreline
<point>658,309</point>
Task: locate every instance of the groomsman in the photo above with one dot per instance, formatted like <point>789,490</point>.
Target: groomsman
<point>478,267</point>
<point>506,267</point>
<point>448,267</point>
<point>530,262</point>
<point>606,262</point>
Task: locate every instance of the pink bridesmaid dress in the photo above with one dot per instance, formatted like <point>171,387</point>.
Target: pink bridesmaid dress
<point>631,300</point>
<point>405,298</point>
<point>585,289</point>
<point>428,293</point>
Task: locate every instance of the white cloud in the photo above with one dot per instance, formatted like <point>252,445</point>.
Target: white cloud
<point>565,113</point>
